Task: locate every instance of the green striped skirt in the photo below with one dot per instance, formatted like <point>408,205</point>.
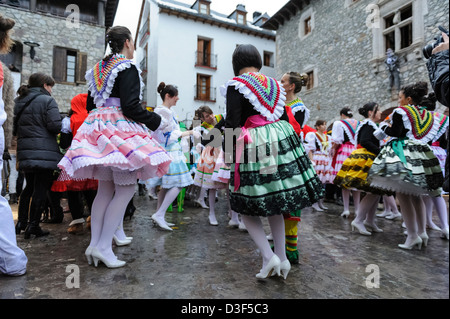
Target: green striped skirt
<point>276,175</point>
<point>408,167</point>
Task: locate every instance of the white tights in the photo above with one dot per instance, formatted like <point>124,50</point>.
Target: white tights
<point>413,211</point>
<point>107,214</point>
<point>367,209</point>
<point>441,209</point>
<point>255,229</point>
<point>165,199</point>
<point>346,199</point>
<point>390,204</point>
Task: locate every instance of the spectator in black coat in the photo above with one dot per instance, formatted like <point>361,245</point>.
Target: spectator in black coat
<point>37,122</point>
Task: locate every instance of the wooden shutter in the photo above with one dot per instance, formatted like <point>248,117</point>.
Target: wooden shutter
<point>59,64</point>
<point>81,68</point>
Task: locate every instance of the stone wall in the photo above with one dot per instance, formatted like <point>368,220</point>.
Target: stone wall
<point>340,51</point>
<point>50,31</point>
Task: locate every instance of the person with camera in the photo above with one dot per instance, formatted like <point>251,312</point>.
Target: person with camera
<point>438,70</point>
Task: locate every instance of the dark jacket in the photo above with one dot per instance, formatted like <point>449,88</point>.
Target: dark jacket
<point>438,70</point>
<point>36,130</point>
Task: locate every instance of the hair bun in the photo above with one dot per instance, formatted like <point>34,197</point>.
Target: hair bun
<point>6,24</point>
<point>161,87</point>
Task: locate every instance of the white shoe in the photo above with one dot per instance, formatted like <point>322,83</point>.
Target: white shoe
<point>273,265</point>
<point>374,227</point>
<point>361,229</point>
<point>321,205</point>
<point>345,214</point>
<point>269,237</point>
<point>161,223</point>
<point>120,243</point>
<point>201,204</point>
<point>242,226</point>
<point>445,233</point>
<point>384,214</point>
<point>316,207</point>
<point>233,223</point>
<point>88,254</point>
<point>152,196</point>
<point>96,256</point>
<point>394,216</point>
<point>213,221</point>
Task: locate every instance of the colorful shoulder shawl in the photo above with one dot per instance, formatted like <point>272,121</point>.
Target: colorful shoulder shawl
<point>323,140</point>
<point>350,127</point>
<point>442,121</point>
<point>265,94</point>
<point>420,121</point>
<point>102,77</point>
<point>298,106</point>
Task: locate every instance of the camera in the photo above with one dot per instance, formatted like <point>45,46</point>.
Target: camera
<point>428,49</point>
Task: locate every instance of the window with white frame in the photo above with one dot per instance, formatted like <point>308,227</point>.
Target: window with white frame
<point>400,27</point>
<point>306,24</point>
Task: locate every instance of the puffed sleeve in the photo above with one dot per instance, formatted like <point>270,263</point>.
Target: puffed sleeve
<point>310,142</point>
<point>167,132</point>
<point>130,90</point>
<point>337,135</point>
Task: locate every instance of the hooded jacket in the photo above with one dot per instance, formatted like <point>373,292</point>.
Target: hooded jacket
<point>36,130</point>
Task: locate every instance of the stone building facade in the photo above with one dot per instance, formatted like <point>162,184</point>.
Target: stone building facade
<point>342,45</point>
<point>69,40</point>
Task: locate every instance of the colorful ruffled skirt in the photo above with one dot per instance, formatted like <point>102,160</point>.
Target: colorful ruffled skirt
<point>354,172</point>
<point>282,182</point>
<point>342,153</point>
<point>205,169</point>
<point>65,183</point>
<point>221,170</point>
<point>322,165</point>
<point>111,147</point>
<point>441,155</point>
<point>178,175</point>
<point>408,167</point>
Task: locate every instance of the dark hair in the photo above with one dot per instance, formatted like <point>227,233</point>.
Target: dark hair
<point>416,91</point>
<point>116,38</point>
<point>246,55</point>
<point>6,42</point>
<point>347,112</point>
<point>164,89</point>
<point>429,102</point>
<point>35,80</point>
<point>371,106</point>
<point>319,123</point>
<point>205,109</point>
<point>299,80</point>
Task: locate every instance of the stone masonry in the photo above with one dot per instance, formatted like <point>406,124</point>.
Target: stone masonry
<point>340,51</point>
<point>50,31</point>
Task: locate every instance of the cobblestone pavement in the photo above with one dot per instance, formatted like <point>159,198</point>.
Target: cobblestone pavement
<point>200,261</point>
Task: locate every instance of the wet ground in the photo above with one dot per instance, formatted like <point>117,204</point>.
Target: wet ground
<point>200,261</point>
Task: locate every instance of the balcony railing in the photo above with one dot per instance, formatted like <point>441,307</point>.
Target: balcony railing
<point>205,59</point>
<point>205,93</point>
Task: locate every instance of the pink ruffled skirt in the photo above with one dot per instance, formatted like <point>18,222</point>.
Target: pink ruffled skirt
<point>111,147</point>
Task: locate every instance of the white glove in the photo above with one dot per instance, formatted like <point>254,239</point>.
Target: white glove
<point>65,127</point>
<point>379,133</point>
<point>197,134</point>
